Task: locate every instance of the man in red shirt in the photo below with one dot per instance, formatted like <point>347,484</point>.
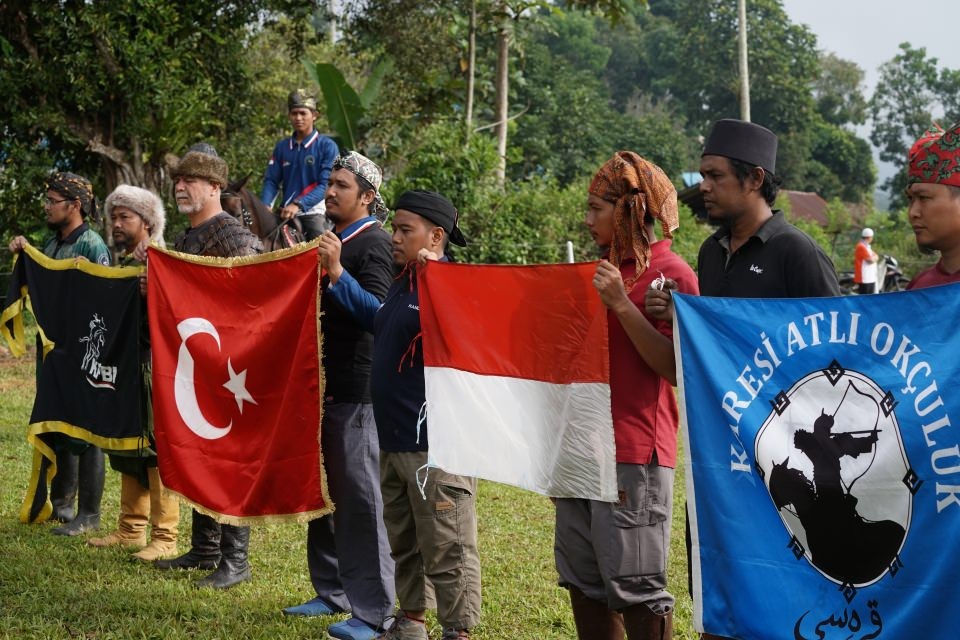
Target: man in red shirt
<point>613,556</point>
<point>934,194</point>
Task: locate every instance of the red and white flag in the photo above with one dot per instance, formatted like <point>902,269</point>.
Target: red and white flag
<point>237,383</point>
<point>517,376</point>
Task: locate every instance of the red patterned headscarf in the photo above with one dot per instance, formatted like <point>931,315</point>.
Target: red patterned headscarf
<point>636,187</point>
<point>935,157</point>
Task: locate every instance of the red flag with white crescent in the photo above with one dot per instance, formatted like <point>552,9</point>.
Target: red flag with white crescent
<point>237,383</point>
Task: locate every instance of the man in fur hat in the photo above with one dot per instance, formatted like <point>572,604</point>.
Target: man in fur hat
<point>136,216</point>
<point>198,179</point>
<point>299,168</point>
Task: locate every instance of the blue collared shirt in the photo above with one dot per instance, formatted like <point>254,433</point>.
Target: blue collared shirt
<point>303,169</point>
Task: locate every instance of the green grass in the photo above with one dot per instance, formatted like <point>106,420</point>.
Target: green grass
<point>53,587</point>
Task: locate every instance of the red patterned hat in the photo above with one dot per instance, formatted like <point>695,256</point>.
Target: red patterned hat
<point>935,157</point>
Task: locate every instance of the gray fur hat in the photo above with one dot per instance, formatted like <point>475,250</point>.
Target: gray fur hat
<point>142,202</point>
<point>202,165</point>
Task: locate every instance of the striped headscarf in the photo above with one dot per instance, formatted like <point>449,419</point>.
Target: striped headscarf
<point>637,188</point>
<point>75,187</point>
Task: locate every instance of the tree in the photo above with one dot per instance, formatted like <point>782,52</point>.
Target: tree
<point>838,91</point>
<point>911,94</point>
<point>137,83</point>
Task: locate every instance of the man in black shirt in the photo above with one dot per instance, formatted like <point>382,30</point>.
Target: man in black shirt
<point>755,253</point>
<point>347,552</point>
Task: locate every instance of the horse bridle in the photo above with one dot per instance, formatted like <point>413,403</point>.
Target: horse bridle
<point>245,216</point>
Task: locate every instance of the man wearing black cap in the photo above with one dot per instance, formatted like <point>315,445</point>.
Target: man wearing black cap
<point>433,536</point>
<point>301,164</point>
<point>756,253</point>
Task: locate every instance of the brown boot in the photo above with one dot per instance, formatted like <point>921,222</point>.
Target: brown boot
<point>156,550</point>
<point>644,624</point>
<point>132,523</point>
<point>594,619</point>
<point>164,518</point>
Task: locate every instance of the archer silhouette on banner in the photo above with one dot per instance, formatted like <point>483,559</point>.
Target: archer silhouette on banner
<point>843,544</point>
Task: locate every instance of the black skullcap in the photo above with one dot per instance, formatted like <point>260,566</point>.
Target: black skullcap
<point>435,208</point>
<point>743,141</point>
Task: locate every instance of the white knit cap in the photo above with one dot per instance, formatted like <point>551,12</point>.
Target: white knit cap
<point>144,203</point>
<point>866,233</point>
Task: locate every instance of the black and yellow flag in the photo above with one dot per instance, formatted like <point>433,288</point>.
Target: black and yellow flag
<point>89,376</point>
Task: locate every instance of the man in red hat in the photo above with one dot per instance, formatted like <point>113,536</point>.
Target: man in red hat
<point>934,195</point>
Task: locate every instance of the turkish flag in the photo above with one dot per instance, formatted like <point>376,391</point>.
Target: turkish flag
<point>237,383</point>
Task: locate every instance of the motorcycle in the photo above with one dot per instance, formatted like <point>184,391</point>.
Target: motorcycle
<point>893,279</point>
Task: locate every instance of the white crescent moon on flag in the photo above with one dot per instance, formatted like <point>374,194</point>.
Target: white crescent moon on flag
<point>184,389</point>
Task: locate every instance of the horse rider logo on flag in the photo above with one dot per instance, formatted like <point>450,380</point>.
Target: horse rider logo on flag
<point>821,457</point>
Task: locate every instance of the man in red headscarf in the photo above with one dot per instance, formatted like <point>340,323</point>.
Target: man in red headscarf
<point>613,556</point>
<point>934,194</point>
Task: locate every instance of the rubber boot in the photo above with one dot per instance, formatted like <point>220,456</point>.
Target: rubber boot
<point>234,567</point>
<point>132,523</point>
<point>90,493</point>
<point>594,619</point>
<point>164,518</point>
<point>63,487</point>
<point>643,624</point>
<point>205,536</point>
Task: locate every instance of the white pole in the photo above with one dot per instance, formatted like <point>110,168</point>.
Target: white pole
<point>570,251</point>
<point>744,73</point>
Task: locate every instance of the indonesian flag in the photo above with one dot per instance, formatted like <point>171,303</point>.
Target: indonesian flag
<point>236,383</point>
<point>517,376</point>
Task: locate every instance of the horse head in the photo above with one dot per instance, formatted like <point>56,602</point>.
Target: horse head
<point>246,207</point>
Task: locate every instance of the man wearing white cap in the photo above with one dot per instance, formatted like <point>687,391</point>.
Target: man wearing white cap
<point>865,264</point>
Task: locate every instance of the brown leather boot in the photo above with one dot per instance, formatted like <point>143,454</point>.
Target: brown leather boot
<point>132,523</point>
<point>164,518</point>
<point>594,619</point>
<point>644,624</point>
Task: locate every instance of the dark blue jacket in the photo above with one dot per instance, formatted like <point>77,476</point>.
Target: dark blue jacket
<point>396,374</point>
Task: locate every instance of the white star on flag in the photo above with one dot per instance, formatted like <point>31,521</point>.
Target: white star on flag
<point>237,385</point>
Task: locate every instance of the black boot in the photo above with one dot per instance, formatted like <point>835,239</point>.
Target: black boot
<point>204,546</point>
<point>63,487</point>
<point>234,567</point>
<point>90,477</point>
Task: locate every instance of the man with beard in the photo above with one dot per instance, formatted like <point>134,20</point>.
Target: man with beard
<point>347,552</point>
<point>755,253</point>
<point>934,195</point>
<point>198,179</point>
<point>68,203</point>
<point>136,216</point>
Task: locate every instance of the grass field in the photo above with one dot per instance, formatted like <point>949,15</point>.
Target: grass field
<point>53,587</point>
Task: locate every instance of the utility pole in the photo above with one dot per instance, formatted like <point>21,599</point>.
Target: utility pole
<point>744,72</point>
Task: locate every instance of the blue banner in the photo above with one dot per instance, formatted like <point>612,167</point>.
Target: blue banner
<point>823,468</point>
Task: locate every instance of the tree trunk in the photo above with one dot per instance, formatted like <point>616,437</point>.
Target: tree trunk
<point>332,18</point>
<point>503,88</point>
<point>471,67</point>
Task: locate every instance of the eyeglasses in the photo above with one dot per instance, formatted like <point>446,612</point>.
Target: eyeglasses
<point>51,202</point>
